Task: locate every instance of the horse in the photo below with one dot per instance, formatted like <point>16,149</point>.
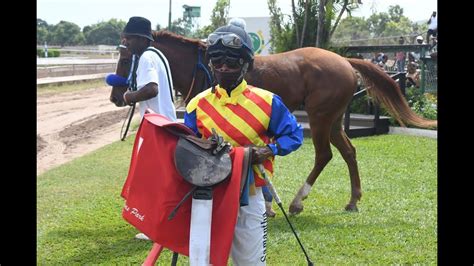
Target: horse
<point>320,80</point>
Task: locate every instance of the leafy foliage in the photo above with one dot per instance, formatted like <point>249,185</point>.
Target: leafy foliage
<point>219,17</point>
<point>392,23</point>
<point>104,32</point>
<point>66,33</point>
<point>51,52</point>
<point>424,104</point>
<point>283,29</point>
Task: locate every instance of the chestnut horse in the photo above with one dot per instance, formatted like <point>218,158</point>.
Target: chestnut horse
<point>322,81</point>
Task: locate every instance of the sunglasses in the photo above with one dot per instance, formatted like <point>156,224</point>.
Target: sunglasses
<point>227,38</point>
<point>231,62</point>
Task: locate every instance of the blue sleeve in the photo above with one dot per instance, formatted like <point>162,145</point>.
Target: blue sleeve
<point>190,121</point>
<point>283,126</point>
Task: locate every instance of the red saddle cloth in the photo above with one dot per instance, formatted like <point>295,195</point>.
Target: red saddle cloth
<point>154,187</point>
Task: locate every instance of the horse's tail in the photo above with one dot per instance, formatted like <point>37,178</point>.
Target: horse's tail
<point>386,91</point>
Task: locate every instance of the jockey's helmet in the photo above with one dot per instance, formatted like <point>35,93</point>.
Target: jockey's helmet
<point>230,41</point>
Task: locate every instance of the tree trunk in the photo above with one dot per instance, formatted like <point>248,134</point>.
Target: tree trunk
<point>321,16</point>
<point>343,9</point>
<point>295,22</point>
<point>303,31</point>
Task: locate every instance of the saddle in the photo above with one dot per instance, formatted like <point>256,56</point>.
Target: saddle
<point>203,162</point>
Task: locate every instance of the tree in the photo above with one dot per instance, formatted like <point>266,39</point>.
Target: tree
<point>42,31</point>
<point>181,26</point>
<point>351,28</point>
<point>377,28</point>
<point>280,30</point>
<point>104,32</point>
<point>293,9</point>
<point>41,23</point>
<point>66,33</point>
<point>306,15</point>
<point>219,18</point>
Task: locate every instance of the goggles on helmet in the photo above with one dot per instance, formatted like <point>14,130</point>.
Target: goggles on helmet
<point>228,39</point>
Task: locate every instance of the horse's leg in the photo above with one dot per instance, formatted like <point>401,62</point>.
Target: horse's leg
<point>340,140</point>
<point>320,132</point>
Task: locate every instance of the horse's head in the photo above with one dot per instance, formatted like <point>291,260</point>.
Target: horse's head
<point>118,81</point>
<point>187,63</point>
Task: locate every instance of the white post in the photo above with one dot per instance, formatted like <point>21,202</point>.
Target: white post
<point>45,49</point>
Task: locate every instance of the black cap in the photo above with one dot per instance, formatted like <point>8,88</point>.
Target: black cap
<point>138,26</point>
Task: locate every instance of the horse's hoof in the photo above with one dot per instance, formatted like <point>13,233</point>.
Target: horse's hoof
<point>351,208</point>
<point>295,209</point>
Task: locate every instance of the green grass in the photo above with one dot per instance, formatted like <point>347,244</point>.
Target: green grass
<point>59,88</point>
<point>79,208</point>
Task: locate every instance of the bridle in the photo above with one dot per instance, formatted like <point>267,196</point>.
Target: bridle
<point>199,65</point>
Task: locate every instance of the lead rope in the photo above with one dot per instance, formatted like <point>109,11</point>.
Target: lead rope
<point>131,80</point>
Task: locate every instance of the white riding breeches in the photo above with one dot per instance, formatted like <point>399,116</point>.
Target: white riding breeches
<point>250,235</point>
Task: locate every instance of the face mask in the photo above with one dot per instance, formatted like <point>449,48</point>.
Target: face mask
<point>228,80</point>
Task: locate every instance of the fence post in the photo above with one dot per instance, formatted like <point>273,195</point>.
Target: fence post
<point>347,118</point>
<point>423,69</point>
<point>402,83</point>
<point>45,50</point>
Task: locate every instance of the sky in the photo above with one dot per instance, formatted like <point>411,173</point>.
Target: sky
<point>88,12</point>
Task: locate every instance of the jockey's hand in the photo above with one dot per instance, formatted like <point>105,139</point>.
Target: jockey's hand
<point>259,154</point>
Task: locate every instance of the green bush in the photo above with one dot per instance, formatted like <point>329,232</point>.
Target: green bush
<point>51,52</point>
<point>361,105</point>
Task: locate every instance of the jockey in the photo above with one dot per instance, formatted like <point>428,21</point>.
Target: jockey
<point>245,116</point>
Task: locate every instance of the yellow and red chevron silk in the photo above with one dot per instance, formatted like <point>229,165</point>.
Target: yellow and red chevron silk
<point>242,119</point>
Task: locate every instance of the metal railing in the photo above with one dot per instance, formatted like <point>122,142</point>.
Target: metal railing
<point>73,70</point>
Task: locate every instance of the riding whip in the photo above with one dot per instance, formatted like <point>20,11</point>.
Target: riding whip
<point>278,201</point>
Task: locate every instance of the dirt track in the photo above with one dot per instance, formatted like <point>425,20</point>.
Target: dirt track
<point>72,124</point>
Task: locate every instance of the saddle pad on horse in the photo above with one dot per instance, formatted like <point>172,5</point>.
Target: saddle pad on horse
<point>154,187</point>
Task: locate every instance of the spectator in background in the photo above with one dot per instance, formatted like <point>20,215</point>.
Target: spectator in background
<point>400,57</point>
<point>414,56</point>
<point>380,59</point>
<point>413,75</point>
<point>432,26</point>
<point>419,40</point>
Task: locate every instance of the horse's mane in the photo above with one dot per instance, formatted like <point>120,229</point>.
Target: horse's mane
<point>169,35</point>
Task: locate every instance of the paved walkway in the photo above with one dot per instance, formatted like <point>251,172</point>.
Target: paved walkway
<point>52,80</point>
<point>414,132</point>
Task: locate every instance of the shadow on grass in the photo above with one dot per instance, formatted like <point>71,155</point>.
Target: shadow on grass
<point>307,223</point>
